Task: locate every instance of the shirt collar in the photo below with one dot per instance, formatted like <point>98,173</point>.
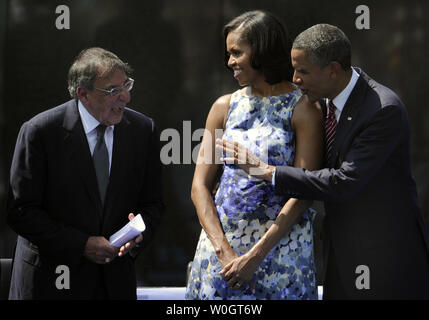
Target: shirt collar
<point>340,100</point>
<point>88,121</point>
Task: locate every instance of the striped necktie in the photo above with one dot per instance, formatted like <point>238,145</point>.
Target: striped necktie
<point>330,128</point>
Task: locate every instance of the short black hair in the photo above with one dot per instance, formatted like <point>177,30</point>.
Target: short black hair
<point>324,43</point>
<point>269,41</point>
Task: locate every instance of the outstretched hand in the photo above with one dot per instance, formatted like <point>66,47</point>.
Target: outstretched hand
<point>245,159</point>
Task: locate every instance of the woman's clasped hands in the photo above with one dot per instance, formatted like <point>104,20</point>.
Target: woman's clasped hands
<point>239,273</point>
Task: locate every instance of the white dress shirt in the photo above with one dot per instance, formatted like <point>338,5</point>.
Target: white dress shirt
<point>340,100</point>
<point>90,125</point>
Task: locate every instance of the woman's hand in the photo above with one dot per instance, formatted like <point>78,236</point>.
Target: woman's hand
<point>239,272</point>
<point>226,256</point>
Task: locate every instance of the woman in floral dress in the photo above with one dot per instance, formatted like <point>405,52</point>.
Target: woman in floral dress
<point>255,244</point>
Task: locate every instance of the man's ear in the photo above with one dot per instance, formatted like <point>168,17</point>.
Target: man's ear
<point>82,94</point>
<point>335,69</point>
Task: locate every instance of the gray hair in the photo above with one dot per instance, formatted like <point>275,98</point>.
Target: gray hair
<point>324,43</point>
<point>90,64</point>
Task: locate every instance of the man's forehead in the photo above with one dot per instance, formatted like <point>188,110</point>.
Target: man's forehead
<point>299,54</point>
<point>302,59</point>
<point>115,75</point>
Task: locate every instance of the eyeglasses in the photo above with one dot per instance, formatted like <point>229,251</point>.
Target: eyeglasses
<point>117,90</point>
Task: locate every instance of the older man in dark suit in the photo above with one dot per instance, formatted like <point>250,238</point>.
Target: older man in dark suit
<point>378,243</point>
<point>80,171</point>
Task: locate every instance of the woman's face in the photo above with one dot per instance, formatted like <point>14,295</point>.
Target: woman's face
<point>240,53</point>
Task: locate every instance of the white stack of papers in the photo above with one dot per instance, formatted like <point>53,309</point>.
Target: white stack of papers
<point>131,230</point>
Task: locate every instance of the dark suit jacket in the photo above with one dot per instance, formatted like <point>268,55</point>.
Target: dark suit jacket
<point>54,203</point>
<point>372,212</point>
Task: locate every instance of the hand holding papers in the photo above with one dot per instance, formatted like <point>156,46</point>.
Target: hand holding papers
<point>131,230</point>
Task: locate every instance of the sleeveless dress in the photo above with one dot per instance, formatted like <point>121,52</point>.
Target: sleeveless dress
<point>247,207</point>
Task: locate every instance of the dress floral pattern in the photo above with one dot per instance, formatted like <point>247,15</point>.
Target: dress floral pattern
<point>247,207</point>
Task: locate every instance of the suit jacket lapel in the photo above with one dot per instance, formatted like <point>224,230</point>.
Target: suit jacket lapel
<point>348,115</point>
<point>76,143</point>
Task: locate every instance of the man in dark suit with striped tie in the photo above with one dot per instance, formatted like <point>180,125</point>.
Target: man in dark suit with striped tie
<point>80,171</point>
<point>378,245</point>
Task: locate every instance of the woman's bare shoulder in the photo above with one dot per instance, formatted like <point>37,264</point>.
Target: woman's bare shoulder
<point>219,110</point>
<point>305,110</point>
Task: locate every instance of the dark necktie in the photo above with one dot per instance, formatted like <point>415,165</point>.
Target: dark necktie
<point>101,162</point>
<point>330,128</point>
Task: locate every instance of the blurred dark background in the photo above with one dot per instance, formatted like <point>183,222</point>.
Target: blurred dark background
<point>176,50</point>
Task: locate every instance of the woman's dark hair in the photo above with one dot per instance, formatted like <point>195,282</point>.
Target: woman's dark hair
<point>269,42</point>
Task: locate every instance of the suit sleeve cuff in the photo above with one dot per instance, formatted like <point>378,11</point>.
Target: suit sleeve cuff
<point>273,179</point>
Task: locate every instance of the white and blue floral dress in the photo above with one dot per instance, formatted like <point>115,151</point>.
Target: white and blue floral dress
<point>247,207</point>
